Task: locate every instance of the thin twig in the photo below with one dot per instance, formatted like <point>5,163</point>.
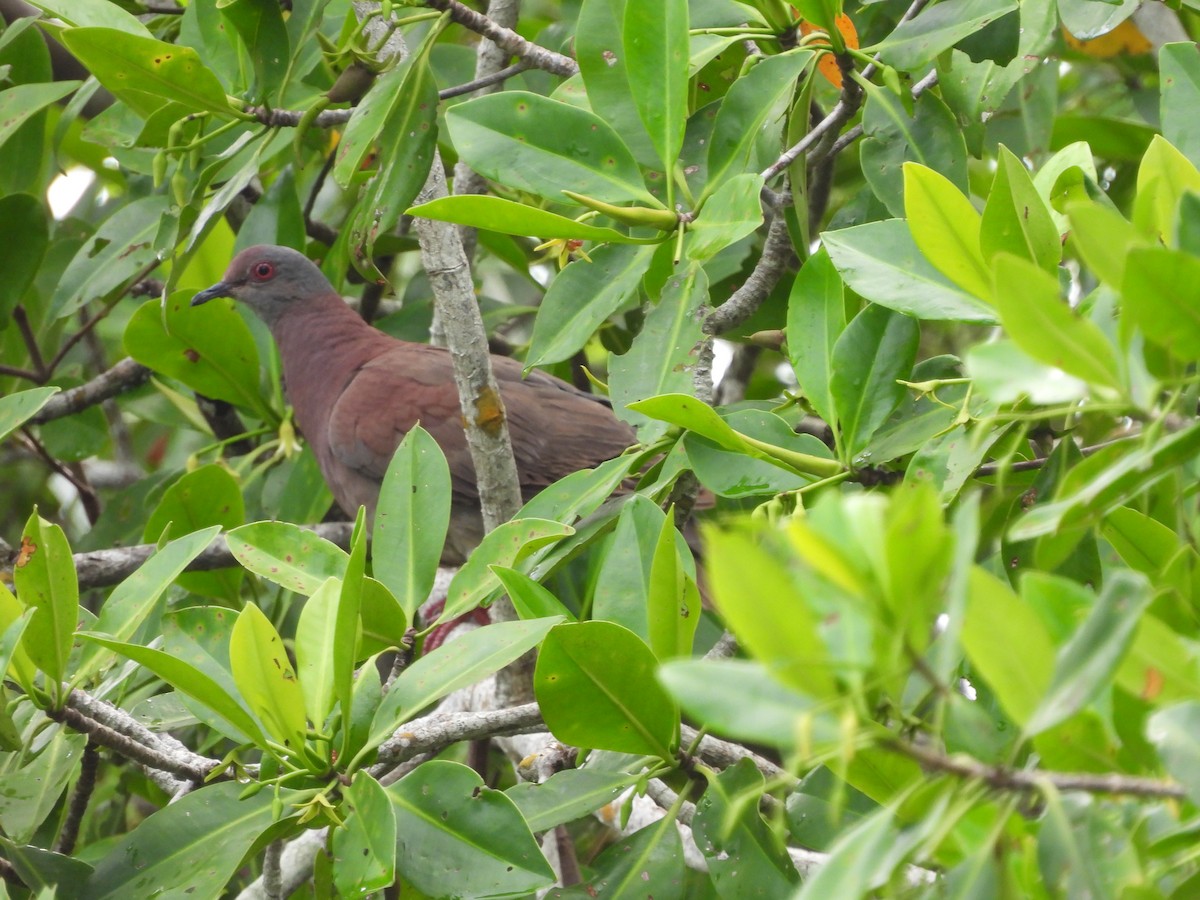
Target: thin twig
<point>80,797</point>
<point>124,376</point>
<point>777,254</point>
<point>17,372</point>
<point>507,39</point>
<point>1033,780</point>
<point>35,354</point>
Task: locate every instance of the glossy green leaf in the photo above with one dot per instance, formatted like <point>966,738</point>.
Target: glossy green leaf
<point>732,211</point>
<point>504,545</point>
<point>315,633</point>
<point>622,586</point>
<point>688,412</point>
<point>411,519</point>
<point>265,37</point>
<point>647,863</point>
<point>893,135</point>
<point>17,409</point>
<point>536,144</point>
<point>595,685</point>
<point>30,792</point>
<point>93,13</point>
<point>347,622</point>
<point>1136,471</point>
<point>1087,661</point>
<point>458,837</point>
<point>731,474</point>
<point>665,351</point>
<point>41,870</point>
<point>13,612</point>
<point>655,39</point>
<point>566,796</point>
<point>191,847</point>
<point>134,600</point>
<point>1016,220</point>
<point>407,145</point>
<point>454,665</point>
<point>287,555</point>
<point>1087,20</point>
<point>1158,294</point>
<point>1179,71</point>
<point>914,44</point>
<point>24,238</point>
<point>744,111</point>
<point>1042,324</point>
<point>365,847</point>
<point>1004,373</point>
<point>190,680</point>
<point>121,249</point>
<point>1163,177</point>
<point>46,582</point>
<point>209,348</point>
<point>145,73</point>
<point>996,621</point>
<point>509,217</point>
<point>736,842</point>
<point>265,677</point>
<point>21,101</point>
<point>530,599</point>
<point>582,296</point>
<point>1173,732</point>
<point>881,262</point>
<point>1104,239</point>
<point>673,600</point>
<point>715,692</point>
<point>877,347</point>
<point>854,859</point>
<point>945,226</point>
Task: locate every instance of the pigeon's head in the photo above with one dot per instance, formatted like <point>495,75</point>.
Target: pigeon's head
<point>269,279</point>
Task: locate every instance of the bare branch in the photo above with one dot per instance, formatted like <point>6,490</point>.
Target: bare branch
<point>439,730</point>
<point>507,39</point>
<point>776,256</point>
<point>124,376</point>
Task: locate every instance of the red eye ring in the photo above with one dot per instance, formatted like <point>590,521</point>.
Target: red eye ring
<point>262,271</point>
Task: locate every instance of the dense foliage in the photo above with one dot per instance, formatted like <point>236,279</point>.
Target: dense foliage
<point>949,285</point>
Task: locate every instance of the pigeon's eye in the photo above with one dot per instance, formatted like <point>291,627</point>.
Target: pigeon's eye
<point>262,271</point>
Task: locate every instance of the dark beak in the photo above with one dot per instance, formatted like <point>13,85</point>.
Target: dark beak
<point>220,289</point>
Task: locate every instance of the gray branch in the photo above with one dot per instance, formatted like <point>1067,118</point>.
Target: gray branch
<point>124,376</point>
<point>507,39</point>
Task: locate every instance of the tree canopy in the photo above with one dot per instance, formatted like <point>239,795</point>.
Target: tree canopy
<point>902,295</point>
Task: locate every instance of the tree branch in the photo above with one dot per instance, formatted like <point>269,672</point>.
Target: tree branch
<point>124,376</point>
<point>507,39</point>
<point>776,256</point>
<point>437,731</point>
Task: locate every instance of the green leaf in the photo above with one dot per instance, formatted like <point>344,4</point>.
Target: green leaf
<point>945,226</point>
<point>915,43</point>
<point>265,37</point>
<point>595,684</point>
<point>315,634</point>
<point>673,600</point>
<point>187,678</point>
<point>265,677</point>
<point>20,102</point>
<point>17,409</point>
<point>880,262</point>
<point>622,587</point>
<point>582,296</point>
<point>46,582</point>
<point>735,840</point>
<point>1164,176</point>
<point>732,474</point>
<point>1103,239</point>
<point>1087,661</point>
<point>1114,486</point>
<point>715,692</point>
<point>1179,97</point>
<point>121,249</point>
<point>530,599</point>
<point>41,869</point>
<point>458,837</point>
<point>1016,220</point>
<point>566,796</point>
<point>24,237</point>
<point>454,665</point>
<point>509,217</point>
<point>347,622</point>
<point>287,555</point>
<point>744,112</point>
<point>731,212</point>
<point>893,134</point>
<point>1173,732</point>
<point>411,519</point>
<point>98,13</point>
<point>208,348</point>
<point>145,73</point>
<point>408,146</point>
<point>1042,324</point>
<point>996,621</point>
<point>14,619</point>
<point>136,598</point>
<point>191,847</point>
<point>365,847</point>
<point>877,347</point>
<point>664,353</point>
<point>30,793</point>
<point>1158,294</point>
<point>688,412</point>
<point>655,39</point>
<point>502,546</point>
<point>647,863</point>
<point>856,856</point>
<point>536,144</point>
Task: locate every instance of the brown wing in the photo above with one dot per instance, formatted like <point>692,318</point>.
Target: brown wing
<point>556,429</point>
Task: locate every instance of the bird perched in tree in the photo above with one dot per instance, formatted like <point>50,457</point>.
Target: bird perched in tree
<point>357,391</point>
